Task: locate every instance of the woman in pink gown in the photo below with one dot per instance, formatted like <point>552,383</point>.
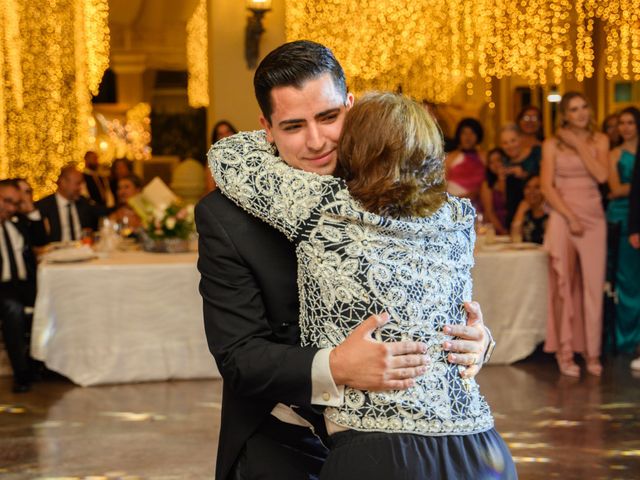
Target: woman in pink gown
<point>573,163</point>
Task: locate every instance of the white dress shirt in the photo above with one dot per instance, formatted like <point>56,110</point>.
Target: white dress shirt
<point>17,243</point>
<point>64,219</point>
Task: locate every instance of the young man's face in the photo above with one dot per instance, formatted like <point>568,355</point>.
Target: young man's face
<point>306,124</point>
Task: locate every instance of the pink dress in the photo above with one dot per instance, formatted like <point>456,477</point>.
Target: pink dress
<point>576,264</point>
<point>465,176</point>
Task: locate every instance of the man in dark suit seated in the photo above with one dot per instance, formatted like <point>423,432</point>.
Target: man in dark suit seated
<point>66,213</point>
<point>17,284</point>
<point>634,225</point>
<point>274,389</point>
<point>96,184</point>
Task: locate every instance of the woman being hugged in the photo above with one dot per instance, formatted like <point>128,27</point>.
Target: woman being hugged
<point>384,236</point>
<point>573,163</point>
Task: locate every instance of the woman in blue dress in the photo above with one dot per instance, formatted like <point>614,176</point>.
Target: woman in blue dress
<point>621,162</point>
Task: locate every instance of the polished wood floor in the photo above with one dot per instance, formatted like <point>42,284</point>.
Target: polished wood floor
<point>556,427</point>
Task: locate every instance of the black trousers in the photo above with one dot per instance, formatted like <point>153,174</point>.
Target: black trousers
<point>280,451</point>
<point>15,328</point>
<point>405,456</point>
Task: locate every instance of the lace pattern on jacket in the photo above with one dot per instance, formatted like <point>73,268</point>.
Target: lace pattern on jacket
<point>353,263</point>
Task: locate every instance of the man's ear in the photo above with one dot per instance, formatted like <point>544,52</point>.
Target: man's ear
<point>267,126</point>
<point>350,100</point>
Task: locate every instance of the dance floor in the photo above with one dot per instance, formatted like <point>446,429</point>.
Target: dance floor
<point>556,427</point>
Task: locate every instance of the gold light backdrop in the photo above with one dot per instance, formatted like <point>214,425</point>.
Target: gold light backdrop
<point>433,47</point>
<point>198,57</point>
<point>64,52</point>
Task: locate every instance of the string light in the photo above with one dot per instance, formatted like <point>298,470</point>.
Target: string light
<point>46,102</point>
<point>197,57</point>
<point>432,48</point>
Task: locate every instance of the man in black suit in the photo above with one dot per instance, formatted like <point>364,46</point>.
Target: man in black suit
<point>273,388</point>
<point>97,185</point>
<point>66,213</point>
<point>17,284</point>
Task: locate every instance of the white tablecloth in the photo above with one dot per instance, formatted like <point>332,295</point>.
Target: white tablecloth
<point>511,287</point>
<point>135,316</point>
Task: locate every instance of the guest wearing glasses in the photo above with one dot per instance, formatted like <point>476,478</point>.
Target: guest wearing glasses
<point>529,122</point>
<point>17,285</point>
<point>66,213</point>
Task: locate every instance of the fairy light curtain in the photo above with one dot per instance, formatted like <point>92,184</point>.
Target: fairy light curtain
<point>53,54</point>
<point>432,48</point>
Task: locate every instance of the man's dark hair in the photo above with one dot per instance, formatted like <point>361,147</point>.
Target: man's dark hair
<point>9,182</point>
<point>292,64</point>
<point>472,124</point>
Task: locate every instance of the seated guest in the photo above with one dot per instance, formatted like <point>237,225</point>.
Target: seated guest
<point>17,285</point>
<point>465,165</point>
<point>493,191</point>
<point>29,215</point>
<point>530,220</point>
<point>120,168</point>
<point>66,213</point>
<point>524,162</point>
<point>97,186</point>
<point>127,188</point>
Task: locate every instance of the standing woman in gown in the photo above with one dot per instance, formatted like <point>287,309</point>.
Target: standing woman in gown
<point>622,160</point>
<point>573,163</point>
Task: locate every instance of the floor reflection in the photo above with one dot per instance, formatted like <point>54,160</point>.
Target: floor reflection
<point>556,427</point>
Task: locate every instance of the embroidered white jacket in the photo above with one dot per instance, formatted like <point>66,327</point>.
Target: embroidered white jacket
<point>353,263</point>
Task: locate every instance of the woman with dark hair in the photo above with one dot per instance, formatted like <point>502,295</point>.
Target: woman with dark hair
<point>530,220</point>
<point>493,192</point>
<point>465,166</point>
<point>385,233</point>
<point>611,130</point>
<point>222,129</point>
<point>573,163</point>
<point>120,168</point>
<point>622,161</point>
<point>529,122</point>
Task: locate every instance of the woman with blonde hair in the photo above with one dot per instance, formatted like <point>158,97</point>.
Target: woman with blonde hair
<point>383,236</point>
<point>573,163</point>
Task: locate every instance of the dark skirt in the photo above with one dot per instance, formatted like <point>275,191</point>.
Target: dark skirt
<point>374,455</point>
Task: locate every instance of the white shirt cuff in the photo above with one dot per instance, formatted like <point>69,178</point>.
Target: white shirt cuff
<point>34,215</point>
<point>324,391</point>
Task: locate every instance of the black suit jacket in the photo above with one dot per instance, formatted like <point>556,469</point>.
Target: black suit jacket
<point>250,299</point>
<point>24,291</point>
<point>95,190</point>
<point>88,213</point>
<point>634,200</point>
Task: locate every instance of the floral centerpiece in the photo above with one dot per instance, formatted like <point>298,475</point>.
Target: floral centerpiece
<point>168,228</point>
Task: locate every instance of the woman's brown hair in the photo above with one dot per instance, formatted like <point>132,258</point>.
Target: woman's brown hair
<point>391,155</point>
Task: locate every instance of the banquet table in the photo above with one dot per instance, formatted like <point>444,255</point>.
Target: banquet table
<point>134,316</point>
<point>511,286</point>
<point>137,316</point>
